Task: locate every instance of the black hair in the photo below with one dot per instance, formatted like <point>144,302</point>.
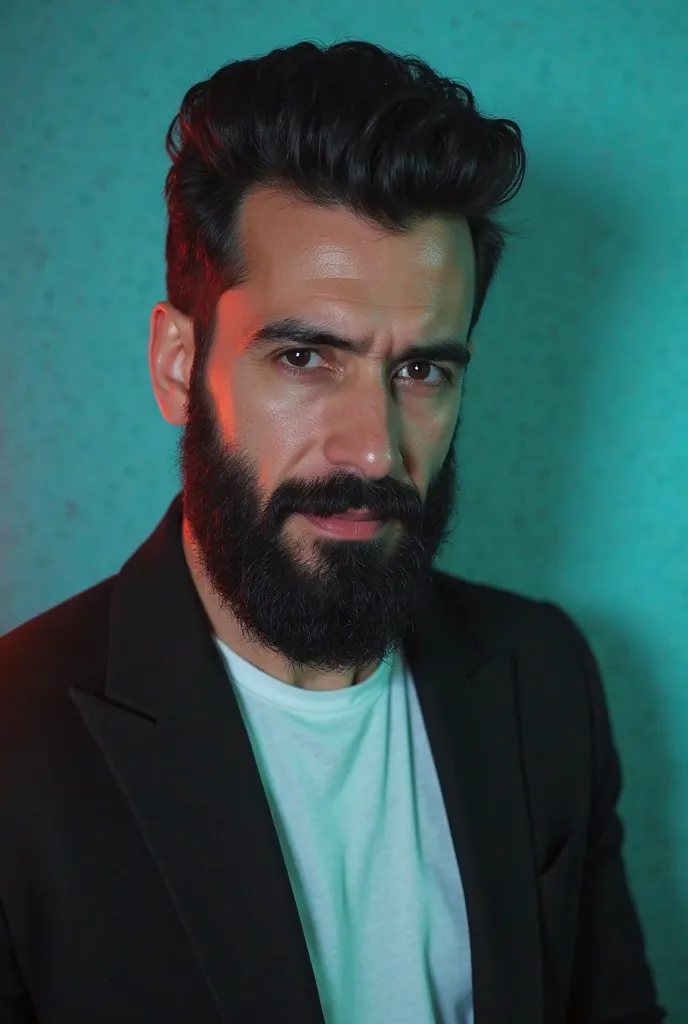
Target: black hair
<point>351,124</point>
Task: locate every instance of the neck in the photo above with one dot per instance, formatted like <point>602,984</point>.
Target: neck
<point>229,630</point>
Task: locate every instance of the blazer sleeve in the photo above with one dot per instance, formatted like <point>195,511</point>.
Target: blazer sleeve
<point>612,980</point>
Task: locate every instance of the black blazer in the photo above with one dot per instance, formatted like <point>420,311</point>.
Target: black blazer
<point>141,877</point>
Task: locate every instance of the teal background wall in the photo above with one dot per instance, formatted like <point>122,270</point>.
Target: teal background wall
<point>575,442</point>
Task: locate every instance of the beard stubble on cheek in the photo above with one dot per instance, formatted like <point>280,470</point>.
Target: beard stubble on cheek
<point>318,602</point>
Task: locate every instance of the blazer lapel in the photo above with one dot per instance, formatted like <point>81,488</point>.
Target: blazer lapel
<point>467,695</point>
<point>172,733</point>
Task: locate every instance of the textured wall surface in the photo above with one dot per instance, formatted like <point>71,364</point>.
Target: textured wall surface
<point>575,440</point>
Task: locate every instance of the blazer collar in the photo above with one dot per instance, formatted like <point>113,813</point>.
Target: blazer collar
<point>171,730</point>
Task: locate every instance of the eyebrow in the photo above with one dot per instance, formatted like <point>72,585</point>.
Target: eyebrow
<point>309,335</point>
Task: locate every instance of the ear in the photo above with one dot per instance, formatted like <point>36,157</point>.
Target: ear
<point>170,358</point>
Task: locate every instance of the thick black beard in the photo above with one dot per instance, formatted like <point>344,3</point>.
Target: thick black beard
<point>351,603</point>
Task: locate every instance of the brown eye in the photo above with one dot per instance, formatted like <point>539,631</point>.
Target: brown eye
<point>298,357</point>
<point>420,371</point>
<point>297,360</point>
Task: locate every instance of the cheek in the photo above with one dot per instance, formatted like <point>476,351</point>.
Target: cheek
<point>428,441</point>
<point>291,427</point>
<point>275,429</point>
<point>223,398</point>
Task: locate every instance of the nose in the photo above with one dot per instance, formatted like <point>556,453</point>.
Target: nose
<point>363,435</point>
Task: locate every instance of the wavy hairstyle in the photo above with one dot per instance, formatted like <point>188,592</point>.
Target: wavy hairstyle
<point>353,125</point>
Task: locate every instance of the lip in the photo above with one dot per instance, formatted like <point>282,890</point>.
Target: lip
<point>347,528</point>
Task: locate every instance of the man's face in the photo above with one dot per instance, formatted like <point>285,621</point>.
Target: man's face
<point>289,432</point>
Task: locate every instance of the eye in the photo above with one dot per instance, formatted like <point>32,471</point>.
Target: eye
<point>420,371</point>
<point>300,359</point>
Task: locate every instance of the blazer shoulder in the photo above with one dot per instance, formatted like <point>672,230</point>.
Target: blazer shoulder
<point>58,648</point>
<point>485,598</point>
<point>496,613</point>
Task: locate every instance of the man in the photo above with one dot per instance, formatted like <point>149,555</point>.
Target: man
<point>278,768</point>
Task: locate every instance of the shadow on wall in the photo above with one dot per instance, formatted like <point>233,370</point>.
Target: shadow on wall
<point>538,354</point>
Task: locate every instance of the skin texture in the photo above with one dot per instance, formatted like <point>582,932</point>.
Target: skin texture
<point>363,413</point>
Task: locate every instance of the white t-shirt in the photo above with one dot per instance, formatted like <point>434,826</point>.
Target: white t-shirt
<point>356,802</point>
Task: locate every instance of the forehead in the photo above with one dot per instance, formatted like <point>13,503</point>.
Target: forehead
<point>328,259</point>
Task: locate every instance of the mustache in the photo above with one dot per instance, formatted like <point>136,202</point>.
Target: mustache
<point>387,499</point>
